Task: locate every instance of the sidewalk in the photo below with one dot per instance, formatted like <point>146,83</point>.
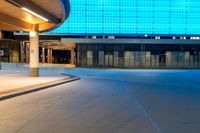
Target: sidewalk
<point>15,83</point>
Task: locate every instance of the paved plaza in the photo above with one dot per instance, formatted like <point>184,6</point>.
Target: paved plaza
<point>109,101</point>
<point>16,81</point>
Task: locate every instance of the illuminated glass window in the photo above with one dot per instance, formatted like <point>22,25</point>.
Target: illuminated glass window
<point>132,17</point>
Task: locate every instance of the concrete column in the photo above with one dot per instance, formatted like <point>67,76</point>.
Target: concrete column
<point>34,52</point>
<point>1,35</point>
<point>27,45</point>
<point>49,55</point>
<point>43,55</point>
<point>72,56</point>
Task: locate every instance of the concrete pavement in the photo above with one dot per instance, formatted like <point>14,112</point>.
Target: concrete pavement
<point>15,83</point>
<point>109,101</point>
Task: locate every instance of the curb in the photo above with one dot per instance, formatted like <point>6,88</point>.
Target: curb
<point>42,87</point>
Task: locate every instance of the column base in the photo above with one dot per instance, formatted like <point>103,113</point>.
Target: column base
<point>34,72</point>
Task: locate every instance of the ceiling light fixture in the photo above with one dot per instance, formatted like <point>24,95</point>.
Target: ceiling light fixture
<point>33,13</point>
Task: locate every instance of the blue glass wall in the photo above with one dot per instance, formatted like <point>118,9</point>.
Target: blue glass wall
<point>132,17</point>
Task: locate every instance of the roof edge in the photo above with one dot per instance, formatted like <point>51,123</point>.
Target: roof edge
<point>66,11</point>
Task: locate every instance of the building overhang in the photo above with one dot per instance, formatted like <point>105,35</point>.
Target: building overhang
<point>128,41</point>
<point>23,15</point>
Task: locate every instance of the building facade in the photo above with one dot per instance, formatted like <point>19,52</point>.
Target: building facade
<point>138,56</point>
<point>137,53</point>
<point>132,17</point>
<point>133,33</point>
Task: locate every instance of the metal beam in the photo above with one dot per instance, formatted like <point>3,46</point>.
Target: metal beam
<point>33,7</point>
<point>14,23</point>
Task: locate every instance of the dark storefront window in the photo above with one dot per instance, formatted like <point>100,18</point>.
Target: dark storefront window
<point>138,56</point>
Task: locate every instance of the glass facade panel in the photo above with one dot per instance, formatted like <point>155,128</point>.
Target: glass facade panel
<point>138,56</point>
<point>187,59</point>
<point>108,60</point>
<point>168,58</point>
<point>101,58</point>
<point>89,58</point>
<point>148,59</point>
<point>131,57</point>
<point>126,58</point>
<point>155,60</point>
<point>137,59</point>
<point>132,17</point>
<point>116,58</point>
<point>179,59</point>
